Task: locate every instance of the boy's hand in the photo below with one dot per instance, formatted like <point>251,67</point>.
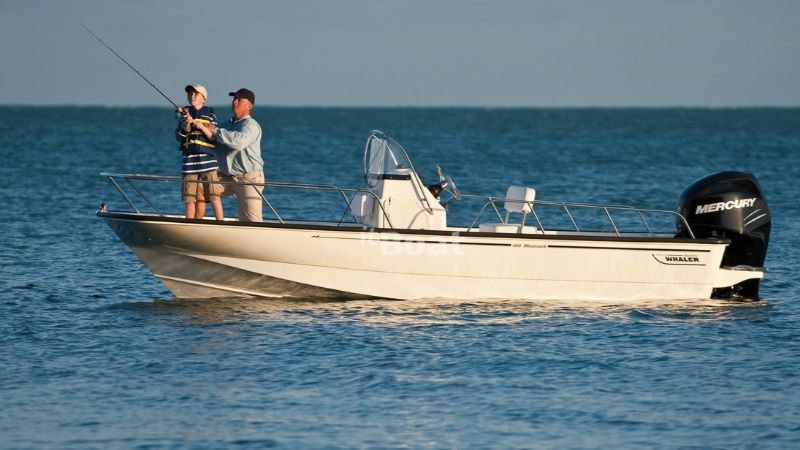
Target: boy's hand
<point>186,117</point>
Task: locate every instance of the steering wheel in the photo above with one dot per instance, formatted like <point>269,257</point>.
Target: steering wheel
<point>447,184</point>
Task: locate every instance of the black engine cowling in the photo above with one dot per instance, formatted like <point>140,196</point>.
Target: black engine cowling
<point>730,205</point>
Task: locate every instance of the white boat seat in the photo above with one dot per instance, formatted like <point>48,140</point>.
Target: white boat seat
<point>519,199</point>
<point>498,228</point>
<point>506,228</point>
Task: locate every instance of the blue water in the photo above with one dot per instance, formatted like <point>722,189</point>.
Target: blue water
<point>96,353</point>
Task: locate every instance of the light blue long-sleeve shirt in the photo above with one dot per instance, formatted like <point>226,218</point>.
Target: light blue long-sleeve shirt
<point>239,146</point>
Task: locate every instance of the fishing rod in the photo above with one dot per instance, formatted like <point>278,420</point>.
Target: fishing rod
<point>132,68</point>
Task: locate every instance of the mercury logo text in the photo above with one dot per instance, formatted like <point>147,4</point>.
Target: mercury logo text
<point>724,206</point>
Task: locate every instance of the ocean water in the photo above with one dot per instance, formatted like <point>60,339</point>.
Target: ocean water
<point>96,353</point>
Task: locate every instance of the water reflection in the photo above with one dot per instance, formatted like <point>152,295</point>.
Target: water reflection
<point>433,312</point>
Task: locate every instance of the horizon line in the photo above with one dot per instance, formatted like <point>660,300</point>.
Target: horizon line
<point>398,106</point>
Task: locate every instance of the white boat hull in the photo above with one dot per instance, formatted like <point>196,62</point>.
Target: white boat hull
<point>196,259</point>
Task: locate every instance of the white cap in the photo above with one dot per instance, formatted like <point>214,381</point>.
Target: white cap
<point>197,88</point>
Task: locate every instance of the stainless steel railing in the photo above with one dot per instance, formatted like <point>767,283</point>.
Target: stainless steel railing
<point>116,178</point>
<point>568,210</point>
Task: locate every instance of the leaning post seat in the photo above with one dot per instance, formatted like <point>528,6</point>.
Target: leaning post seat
<point>519,199</point>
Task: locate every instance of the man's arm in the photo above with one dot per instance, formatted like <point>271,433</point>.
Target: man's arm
<point>238,139</point>
<point>206,129</point>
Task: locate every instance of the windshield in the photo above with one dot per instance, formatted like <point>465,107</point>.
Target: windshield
<point>384,156</point>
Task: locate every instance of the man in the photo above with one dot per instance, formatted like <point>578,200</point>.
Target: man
<point>239,150</point>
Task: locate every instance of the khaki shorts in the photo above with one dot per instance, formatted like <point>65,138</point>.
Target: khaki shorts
<point>196,187</point>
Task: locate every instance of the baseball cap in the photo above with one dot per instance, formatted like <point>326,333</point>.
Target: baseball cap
<point>244,93</point>
<point>197,88</point>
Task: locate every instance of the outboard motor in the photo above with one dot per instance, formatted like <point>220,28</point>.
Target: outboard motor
<point>730,205</point>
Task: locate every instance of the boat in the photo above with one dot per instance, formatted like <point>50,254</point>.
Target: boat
<point>392,240</point>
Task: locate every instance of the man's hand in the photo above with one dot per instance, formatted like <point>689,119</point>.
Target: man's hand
<point>206,128</point>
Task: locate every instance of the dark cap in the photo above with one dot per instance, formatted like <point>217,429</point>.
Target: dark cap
<point>244,93</point>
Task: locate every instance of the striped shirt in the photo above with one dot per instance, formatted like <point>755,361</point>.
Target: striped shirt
<point>198,152</point>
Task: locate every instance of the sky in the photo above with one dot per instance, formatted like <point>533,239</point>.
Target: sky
<point>492,53</point>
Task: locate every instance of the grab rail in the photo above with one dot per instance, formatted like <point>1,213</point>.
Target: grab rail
<point>112,178</point>
<point>567,207</point>
<point>606,209</point>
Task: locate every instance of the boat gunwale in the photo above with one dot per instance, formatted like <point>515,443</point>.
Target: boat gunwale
<point>355,228</point>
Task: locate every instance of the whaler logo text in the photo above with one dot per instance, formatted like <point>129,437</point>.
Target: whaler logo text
<point>686,259</point>
<point>723,206</point>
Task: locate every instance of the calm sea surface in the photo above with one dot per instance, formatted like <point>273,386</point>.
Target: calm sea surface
<point>96,353</point>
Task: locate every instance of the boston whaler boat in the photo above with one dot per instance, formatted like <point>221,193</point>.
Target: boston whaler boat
<point>393,241</point>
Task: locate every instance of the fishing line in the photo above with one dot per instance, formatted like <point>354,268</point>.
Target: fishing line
<point>132,68</point>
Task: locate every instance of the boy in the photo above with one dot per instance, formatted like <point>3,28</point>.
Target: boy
<point>199,161</point>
